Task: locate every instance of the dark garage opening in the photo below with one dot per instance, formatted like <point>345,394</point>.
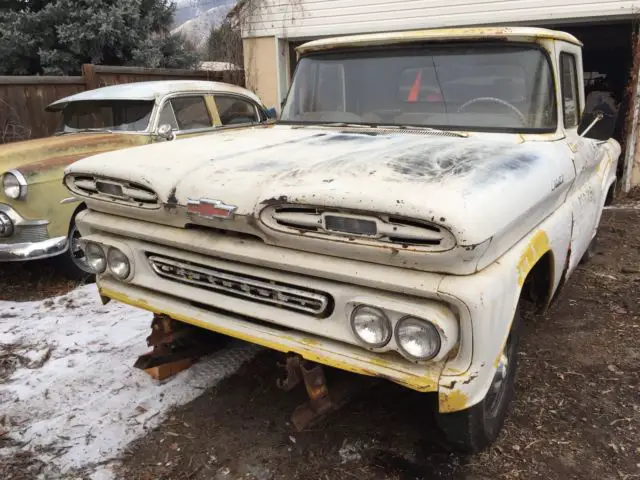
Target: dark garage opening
<point>607,57</point>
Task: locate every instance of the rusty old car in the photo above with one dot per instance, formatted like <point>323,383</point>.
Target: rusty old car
<point>37,216</point>
<point>419,192</point>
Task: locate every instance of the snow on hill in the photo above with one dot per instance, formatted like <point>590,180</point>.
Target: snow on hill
<point>195,18</point>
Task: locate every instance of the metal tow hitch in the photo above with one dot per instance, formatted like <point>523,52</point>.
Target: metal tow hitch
<point>176,346</point>
<point>320,402</point>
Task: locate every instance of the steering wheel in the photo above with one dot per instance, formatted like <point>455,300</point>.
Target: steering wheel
<point>511,107</point>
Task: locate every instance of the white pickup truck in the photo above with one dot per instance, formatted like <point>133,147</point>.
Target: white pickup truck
<point>419,190</point>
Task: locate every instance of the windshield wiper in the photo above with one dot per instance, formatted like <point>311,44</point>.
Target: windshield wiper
<point>345,124</point>
<point>420,127</point>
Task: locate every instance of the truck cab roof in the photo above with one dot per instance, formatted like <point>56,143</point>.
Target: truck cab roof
<point>522,34</point>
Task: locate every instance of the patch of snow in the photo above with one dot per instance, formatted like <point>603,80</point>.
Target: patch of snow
<point>352,452</point>
<point>78,401</point>
<point>218,66</point>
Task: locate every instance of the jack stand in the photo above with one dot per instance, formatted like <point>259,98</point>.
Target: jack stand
<point>176,346</point>
<point>320,402</point>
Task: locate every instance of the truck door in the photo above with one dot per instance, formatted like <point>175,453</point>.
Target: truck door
<point>586,194</point>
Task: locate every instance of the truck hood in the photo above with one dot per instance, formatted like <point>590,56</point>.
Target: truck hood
<point>33,157</point>
<point>475,186</point>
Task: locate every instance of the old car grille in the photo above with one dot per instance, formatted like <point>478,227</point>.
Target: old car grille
<point>243,286</point>
<point>117,191</point>
<point>357,227</point>
<point>28,234</point>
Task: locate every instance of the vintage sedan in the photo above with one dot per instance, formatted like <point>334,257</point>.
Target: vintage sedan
<point>37,215</point>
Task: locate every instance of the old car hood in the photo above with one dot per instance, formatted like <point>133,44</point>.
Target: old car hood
<point>33,157</point>
<point>473,186</point>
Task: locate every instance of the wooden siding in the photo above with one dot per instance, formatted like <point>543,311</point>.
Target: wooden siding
<point>317,18</point>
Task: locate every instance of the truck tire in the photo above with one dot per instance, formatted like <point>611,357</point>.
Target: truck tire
<point>72,261</point>
<point>475,428</point>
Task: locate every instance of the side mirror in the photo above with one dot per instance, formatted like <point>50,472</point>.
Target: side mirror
<point>166,131</point>
<point>272,113</point>
<point>588,121</point>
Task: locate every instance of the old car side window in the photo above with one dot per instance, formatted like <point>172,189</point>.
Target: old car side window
<point>569,79</point>
<point>167,117</point>
<point>235,111</point>
<point>191,113</point>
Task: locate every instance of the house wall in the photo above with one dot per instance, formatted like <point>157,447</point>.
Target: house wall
<point>261,68</point>
<point>315,18</point>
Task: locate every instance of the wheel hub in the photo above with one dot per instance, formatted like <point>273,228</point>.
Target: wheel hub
<point>494,396</point>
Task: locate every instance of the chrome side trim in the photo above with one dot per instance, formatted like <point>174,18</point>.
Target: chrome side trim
<point>18,220</point>
<point>69,200</point>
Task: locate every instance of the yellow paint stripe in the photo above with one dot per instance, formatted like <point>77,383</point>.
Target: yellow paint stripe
<point>421,384</point>
<point>536,248</point>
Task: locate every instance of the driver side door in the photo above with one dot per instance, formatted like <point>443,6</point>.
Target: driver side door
<point>586,193</point>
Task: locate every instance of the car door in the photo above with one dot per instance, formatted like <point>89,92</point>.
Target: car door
<point>586,193</point>
<point>237,111</point>
<point>188,114</point>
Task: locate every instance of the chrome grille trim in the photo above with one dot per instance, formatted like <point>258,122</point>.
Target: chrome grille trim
<point>129,193</point>
<point>28,234</point>
<point>250,288</point>
<point>389,230</point>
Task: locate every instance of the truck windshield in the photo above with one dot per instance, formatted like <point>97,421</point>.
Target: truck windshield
<point>492,88</point>
<point>107,115</point>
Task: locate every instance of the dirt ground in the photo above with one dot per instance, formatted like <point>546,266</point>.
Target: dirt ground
<point>576,414</point>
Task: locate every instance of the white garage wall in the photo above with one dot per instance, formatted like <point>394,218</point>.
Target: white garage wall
<point>314,18</point>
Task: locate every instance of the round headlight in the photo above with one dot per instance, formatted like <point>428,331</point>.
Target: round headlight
<point>14,185</point>
<point>371,326</point>
<point>417,338</point>
<point>94,254</point>
<point>118,263</point>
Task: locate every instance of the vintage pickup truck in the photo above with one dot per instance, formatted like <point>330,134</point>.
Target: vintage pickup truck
<point>419,192</point>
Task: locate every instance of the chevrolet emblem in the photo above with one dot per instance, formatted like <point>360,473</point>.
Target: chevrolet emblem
<point>207,208</point>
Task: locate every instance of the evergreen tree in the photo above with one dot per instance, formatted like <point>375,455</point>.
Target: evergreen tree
<point>56,37</point>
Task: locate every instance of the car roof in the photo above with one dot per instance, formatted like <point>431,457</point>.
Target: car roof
<point>436,35</point>
<point>152,91</point>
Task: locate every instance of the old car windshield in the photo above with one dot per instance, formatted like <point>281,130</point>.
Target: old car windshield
<point>492,87</point>
<point>111,115</point>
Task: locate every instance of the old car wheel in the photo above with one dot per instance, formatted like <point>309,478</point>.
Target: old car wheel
<point>74,261</point>
<point>475,428</point>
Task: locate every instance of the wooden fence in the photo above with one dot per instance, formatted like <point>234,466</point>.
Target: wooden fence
<point>23,99</point>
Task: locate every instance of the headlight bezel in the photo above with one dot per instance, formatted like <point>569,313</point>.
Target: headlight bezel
<point>111,251</point>
<point>20,183</point>
<point>421,322</point>
<point>99,248</point>
<point>386,322</point>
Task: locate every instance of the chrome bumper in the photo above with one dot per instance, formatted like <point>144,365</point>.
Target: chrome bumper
<point>29,238</point>
<point>19,252</point>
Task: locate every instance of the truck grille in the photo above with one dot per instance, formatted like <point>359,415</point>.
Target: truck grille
<point>243,286</point>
